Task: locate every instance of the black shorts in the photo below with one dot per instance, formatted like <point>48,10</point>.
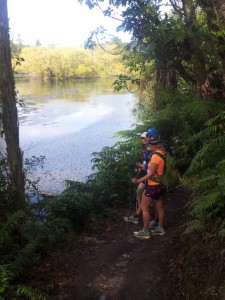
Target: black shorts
<point>154,191</point>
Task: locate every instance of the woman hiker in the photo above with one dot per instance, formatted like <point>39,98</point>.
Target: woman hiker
<point>143,166</point>
<point>153,191</point>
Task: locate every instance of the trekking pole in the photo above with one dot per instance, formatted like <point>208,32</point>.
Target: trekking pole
<point>132,199</point>
<point>137,176</point>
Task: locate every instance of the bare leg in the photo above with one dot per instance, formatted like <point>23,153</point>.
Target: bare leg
<point>160,210</point>
<point>145,204</point>
<point>140,190</point>
<point>156,212</point>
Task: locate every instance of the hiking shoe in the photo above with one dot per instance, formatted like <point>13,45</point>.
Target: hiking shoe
<point>143,235</point>
<point>153,224</point>
<point>131,219</point>
<point>158,230</point>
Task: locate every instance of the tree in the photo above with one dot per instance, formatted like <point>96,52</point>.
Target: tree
<point>187,42</point>
<point>9,109</point>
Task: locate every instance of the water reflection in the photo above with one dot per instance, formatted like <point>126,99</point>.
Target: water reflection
<point>69,90</point>
<point>58,118</point>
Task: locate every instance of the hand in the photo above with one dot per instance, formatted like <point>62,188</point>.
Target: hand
<point>135,180</point>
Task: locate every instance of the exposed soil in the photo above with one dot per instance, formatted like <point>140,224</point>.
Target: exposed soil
<point>114,264</point>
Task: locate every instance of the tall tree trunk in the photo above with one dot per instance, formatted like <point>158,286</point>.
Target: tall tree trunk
<point>9,110</point>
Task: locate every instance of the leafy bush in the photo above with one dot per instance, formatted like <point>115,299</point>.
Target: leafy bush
<point>85,205</point>
<point>16,252</point>
<point>207,175</point>
<point>24,235</point>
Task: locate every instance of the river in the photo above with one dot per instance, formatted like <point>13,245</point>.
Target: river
<point>66,122</point>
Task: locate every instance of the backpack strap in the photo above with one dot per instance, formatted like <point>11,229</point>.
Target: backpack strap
<point>163,156</point>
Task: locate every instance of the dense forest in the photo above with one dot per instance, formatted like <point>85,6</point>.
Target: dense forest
<point>176,63</point>
<point>65,63</point>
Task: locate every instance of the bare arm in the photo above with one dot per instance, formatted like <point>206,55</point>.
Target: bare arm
<point>151,171</point>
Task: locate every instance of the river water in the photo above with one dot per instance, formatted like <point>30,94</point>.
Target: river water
<point>66,122</point>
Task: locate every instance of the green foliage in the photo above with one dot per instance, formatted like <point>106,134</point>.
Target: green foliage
<point>213,143</point>
<point>209,184</point>
<point>5,277</point>
<point>207,175</point>
<point>16,50</point>
<point>187,42</point>
<point>180,116</point>
<point>29,293</point>
<point>24,234</point>
<point>5,190</point>
<point>16,251</point>
<point>124,81</point>
<point>77,202</point>
<point>65,63</point>
<point>6,228</point>
<point>87,204</point>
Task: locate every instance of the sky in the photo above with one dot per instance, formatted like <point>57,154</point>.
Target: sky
<point>56,22</point>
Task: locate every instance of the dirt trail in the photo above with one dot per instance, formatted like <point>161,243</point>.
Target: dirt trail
<point>115,265</point>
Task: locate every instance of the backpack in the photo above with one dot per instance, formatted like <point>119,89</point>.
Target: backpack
<point>171,175</point>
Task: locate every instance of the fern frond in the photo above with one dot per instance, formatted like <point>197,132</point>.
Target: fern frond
<point>205,203</point>
<point>62,223</point>
<point>221,233</point>
<point>213,144</point>
<point>25,257</point>
<point>29,293</point>
<point>222,229</point>
<point>36,230</point>
<point>196,226</point>
<point>219,119</point>
<point>11,222</point>
<point>202,181</point>
<point>214,127</point>
<point>215,148</point>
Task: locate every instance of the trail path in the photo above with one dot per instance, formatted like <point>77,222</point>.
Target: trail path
<point>114,264</point>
